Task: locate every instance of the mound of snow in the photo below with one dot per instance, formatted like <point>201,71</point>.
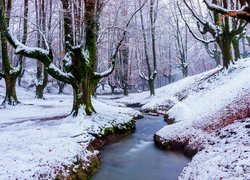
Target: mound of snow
<point>211,112</point>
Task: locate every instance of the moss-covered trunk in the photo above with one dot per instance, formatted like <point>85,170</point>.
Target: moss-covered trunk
<point>87,89</point>
<point>10,94</point>
<point>236,48</point>
<point>10,73</point>
<point>226,47</point>
<point>42,80</point>
<point>82,94</point>
<point>77,99</point>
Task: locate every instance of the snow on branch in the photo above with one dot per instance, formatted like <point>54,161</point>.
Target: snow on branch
<point>44,56</point>
<point>153,76</point>
<point>190,30</point>
<point>210,27</point>
<point>143,76</point>
<point>17,70</point>
<point>38,30</point>
<point>107,72</point>
<point>243,13</point>
<point>23,49</point>
<point>41,55</point>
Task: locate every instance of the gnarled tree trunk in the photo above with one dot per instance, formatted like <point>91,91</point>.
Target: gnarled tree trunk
<point>11,73</point>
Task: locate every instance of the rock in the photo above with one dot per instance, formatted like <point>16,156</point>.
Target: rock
<point>168,120</point>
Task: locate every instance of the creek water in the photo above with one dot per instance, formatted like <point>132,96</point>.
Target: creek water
<point>137,158</point>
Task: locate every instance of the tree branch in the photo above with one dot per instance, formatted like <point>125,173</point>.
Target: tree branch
<point>119,44</point>
<point>193,34</point>
<point>210,27</point>
<point>243,13</point>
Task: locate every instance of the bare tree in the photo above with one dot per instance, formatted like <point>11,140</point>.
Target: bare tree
<point>151,73</point>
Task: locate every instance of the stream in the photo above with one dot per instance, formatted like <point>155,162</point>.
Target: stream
<point>137,158</point>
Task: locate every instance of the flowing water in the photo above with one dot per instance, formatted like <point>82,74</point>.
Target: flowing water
<point>137,158</point>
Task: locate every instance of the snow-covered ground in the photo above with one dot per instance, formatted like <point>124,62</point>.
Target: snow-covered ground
<point>211,111</point>
<point>36,139</point>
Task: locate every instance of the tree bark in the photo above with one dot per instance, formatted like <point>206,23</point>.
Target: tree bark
<point>151,87</point>
<point>10,73</point>
<point>236,48</point>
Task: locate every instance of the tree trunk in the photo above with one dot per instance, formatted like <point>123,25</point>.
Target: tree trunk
<point>41,80</point>
<point>125,90</point>
<point>87,90</point>
<point>82,94</point>
<point>112,89</point>
<point>151,84</point>
<point>226,41</point>
<point>236,48</point>
<point>185,70</point>
<point>77,100</point>
<point>10,73</point>
<point>61,86</point>
<point>10,94</point>
<point>227,53</point>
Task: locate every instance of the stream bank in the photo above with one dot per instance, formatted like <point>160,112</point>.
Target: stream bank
<point>137,157</point>
<point>83,170</point>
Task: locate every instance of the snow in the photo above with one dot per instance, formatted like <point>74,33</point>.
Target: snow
<point>211,111</point>
<point>59,71</point>
<point>108,71</point>
<point>212,116</point>
<point>228,159</point>
<point>32,146</point>
<point>22,47</point>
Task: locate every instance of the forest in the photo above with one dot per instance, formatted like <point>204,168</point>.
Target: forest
<point>124,89</point>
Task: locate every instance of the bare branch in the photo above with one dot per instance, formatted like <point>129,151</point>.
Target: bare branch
<point>119,44</point>
<point>190,30</point>
<point>210,27</point>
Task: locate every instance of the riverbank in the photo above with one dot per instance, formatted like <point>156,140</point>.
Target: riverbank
<point>210,112</point>
<point>136,156</point>
<point>39,141</point>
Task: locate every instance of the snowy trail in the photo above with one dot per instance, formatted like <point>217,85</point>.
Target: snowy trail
<point>34,119</point>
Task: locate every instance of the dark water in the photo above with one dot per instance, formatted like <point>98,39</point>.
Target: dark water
<point>137,158</point>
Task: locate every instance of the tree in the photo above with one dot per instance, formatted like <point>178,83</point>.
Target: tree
<point>151,73</point>
<point>242,12</point>
<point>181,44</point>
<point>220,29</point>
<point>41,74</point>
<point>11,73</point>
<point>79,59</point>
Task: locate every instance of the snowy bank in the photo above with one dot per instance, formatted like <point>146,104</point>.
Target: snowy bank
<point>211,113</point>
<point>38,141</point>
